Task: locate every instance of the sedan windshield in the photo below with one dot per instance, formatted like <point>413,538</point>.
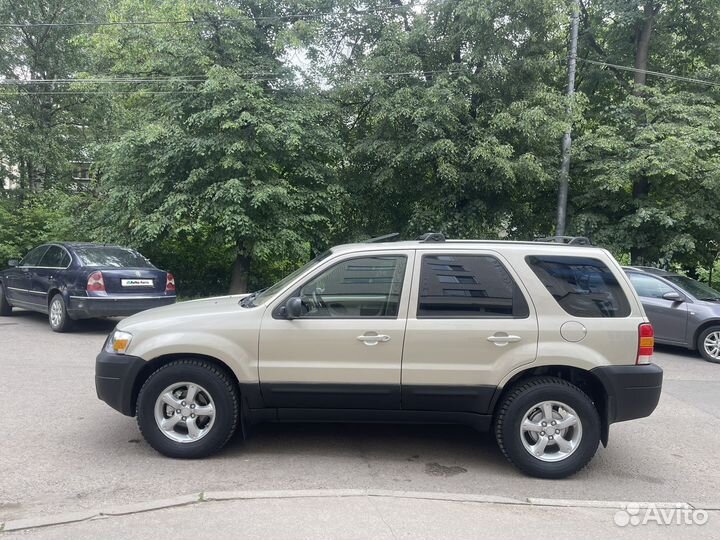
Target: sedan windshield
<point>112,257</point>
<point>274,289</point>
<point>695,288</point>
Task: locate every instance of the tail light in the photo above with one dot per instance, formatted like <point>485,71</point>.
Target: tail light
<point>170,283</point>
<point>646,343</point>
<point>95,283</point>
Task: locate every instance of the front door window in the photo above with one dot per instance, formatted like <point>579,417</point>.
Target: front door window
<point>356,288</point>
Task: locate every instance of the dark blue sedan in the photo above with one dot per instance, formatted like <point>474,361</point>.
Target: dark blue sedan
<point>71,281</point>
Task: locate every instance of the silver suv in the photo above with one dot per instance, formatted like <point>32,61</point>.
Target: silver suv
<point>545,344</point>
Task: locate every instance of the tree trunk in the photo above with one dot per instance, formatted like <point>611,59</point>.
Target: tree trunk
<point>642,44</point>
<point>240,271</point>
<point>641,185</point>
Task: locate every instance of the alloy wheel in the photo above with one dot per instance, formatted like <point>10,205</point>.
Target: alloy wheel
<point>56,313</point>
<point>185,412</point>
<point>712,344</point>
<point>551,431</point>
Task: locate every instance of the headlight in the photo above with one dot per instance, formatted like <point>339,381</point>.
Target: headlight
<point>118,342</point>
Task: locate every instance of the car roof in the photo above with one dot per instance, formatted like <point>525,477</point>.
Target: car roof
<point>649,270</point>
<point>73,245</point>
<point>504,245</point>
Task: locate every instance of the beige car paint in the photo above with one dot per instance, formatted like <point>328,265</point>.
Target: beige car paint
<point>436,351</point>
<point>328,350</point>
<point>456,351</point>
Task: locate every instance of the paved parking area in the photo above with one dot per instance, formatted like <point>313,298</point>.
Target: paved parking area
<point>63,450</point>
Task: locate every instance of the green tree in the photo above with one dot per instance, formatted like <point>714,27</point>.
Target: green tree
<point>42,131</point>
<point>647,162</point>
<point>244,158</point>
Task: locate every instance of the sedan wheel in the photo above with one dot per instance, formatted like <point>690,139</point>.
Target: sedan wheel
<point>58,316</point>
<point>709,344</point>
<point>5,307</point>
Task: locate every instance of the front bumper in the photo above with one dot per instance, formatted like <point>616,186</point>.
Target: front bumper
<point>90,307</point>
<point>115,376</point>
<point>633,391</point>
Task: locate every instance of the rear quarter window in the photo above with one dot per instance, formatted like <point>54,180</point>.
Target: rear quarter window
<point>582,286</point>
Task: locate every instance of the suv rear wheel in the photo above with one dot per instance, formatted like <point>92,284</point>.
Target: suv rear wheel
<point>709,344</point>
<point>5,308</point>
<point>188,409</point>
<point>548,427</point>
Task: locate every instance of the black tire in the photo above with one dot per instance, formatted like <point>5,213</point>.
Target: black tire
<point>216,382</point>
<point>64,323</point>
<point>5,307</point>
<point>520,400</point>
<point>701,344</point>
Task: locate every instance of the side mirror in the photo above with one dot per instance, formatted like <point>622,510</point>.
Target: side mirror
<point>13,263</point>
<point>294,308</point>
<point>674,296</point>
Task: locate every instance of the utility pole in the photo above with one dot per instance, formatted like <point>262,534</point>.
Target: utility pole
<point>567,138</point>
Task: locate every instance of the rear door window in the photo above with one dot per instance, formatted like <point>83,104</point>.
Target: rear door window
<point>468,286</point>
<point>55,257</point>
<point>583,286</point>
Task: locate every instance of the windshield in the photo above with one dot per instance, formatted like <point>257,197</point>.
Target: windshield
<point>112,257</point>
<point>695,288</point>
<point>277,287</point>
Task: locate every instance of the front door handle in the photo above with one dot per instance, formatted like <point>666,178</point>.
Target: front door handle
<point>501,338</point>
<point>373,338</point>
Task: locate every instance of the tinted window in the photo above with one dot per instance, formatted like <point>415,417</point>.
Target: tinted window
<point>112,257</point>
<point>33,258</point>
<point>468,286</point>
<point>55,257</point>
<point>362,287</point>
<point>583,287</point>
<point>648,286</point>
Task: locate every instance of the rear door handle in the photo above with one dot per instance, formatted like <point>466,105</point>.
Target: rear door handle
<point>373,339</point>
<point>501,338</point>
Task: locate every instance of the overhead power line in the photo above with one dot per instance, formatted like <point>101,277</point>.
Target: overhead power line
<point>158,22</point>
<point>164,80</point>
<point>653,73</point>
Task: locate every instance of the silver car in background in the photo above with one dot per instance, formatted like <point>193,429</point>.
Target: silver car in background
<point>682,310</point>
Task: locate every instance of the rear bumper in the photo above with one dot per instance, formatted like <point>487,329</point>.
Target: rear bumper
<point>115,376</point>
<point>83,307</point>
<point>633,391</point>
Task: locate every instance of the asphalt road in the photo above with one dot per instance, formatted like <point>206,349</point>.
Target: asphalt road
<point>63,450</point>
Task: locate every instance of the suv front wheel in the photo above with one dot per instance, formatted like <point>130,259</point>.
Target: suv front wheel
<point>188,409</point>
<point>548,427</point>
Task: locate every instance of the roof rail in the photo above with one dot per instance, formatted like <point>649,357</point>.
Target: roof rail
<point>432,237</point>
<point>569,240</point>
<point>383,238</point>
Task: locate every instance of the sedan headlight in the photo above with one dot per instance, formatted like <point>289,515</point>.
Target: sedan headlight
<point>118,342</point>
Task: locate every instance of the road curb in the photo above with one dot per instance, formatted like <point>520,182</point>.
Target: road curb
<point>237,495</point>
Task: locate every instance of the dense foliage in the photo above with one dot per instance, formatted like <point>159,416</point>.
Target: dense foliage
<point>231,145</point>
